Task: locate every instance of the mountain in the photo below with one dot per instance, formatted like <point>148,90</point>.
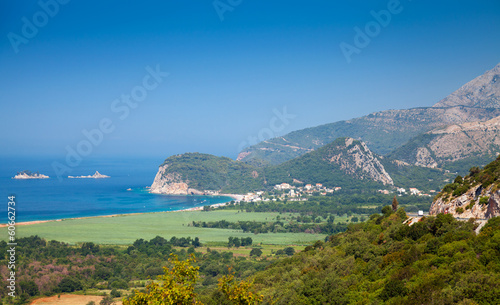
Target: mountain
<point>345,162</point>
<point>195,173</point>
<point>453,146</point>
<point>483,92</point>
<point>387,130</point>
<point>477,195</point>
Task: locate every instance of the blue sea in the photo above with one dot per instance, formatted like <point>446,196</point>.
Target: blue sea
<point>123,193</point>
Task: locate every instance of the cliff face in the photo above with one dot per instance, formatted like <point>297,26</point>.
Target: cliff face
<point>355,159</point>
<point>453,143</point>
<point>170,183</point>
<point>469,205</point>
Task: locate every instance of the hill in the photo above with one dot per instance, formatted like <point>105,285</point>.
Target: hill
<point>194,173</point>
<point>387,130</point>
<point>437,260</point>
<point>453,146</point>
<point>477,195</point>
<point>345,162</point>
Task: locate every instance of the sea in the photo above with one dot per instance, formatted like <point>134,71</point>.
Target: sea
<point>56,198</point>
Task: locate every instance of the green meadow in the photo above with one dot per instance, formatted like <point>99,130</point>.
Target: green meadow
<point>125,229</point>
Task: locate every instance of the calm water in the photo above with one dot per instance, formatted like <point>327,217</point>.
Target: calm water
<point>46,199</point>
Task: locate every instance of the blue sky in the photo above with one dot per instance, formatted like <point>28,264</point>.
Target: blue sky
<point>227,77</point>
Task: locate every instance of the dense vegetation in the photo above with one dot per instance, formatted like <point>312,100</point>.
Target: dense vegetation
<point>207,172</point>
<point>484,178</point>
<point>51,267</point>
<point>438,260</point>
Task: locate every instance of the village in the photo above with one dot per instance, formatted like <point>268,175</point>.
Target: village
<point>300,193</point>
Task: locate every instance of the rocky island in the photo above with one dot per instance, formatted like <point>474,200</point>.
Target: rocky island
<point>97,175</point>
<point>29,175</point>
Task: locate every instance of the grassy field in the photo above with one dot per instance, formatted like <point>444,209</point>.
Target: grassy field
<point>125,229</point>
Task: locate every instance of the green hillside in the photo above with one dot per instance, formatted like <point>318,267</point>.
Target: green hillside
<point>438,260</point>
<point>207,172</point>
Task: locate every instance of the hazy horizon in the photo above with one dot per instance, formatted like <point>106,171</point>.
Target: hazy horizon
<point>165,78</point>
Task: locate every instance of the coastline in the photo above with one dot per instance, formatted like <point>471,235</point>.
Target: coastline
<point>200,208</point>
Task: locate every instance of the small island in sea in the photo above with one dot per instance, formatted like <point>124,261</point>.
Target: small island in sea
<point>97,175</point>
<point>29,175</point>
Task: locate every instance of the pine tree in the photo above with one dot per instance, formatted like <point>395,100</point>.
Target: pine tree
<point>395,204</point>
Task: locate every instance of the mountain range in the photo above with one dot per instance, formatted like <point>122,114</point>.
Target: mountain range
<point>405,148</point>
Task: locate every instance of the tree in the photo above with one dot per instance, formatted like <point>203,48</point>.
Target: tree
<point>256,252</point>
<point>177,285</point>
<point>386,210</point>
<point>29,287</point>
<point>107,300</point>
<point>196,242</point>
<point>238,293</point>
<point>289,251</point>
<point>69,285</point>
<point>395,204</point>
<point>115,293</point>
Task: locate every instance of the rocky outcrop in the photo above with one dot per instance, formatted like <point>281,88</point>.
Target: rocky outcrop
<point>29,175</point>
<point>97,175</point>
<point>452,143</point>
<point>475,203</point>
<point>356,159</point>
<point>483,92</point>
<point>171,184</point>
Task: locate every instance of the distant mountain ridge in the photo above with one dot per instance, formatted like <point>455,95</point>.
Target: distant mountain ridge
<point>419,146</point>
<point>387,131</point>
<point>474,141</point>
<point>483,92</point>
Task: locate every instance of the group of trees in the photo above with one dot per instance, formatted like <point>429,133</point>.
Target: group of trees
<point>51,267</point>
<point>437,260</point>
<point>277,226</point>
<point>239,242</point>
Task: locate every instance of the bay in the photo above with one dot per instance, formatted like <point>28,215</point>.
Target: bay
<point>124,192</point>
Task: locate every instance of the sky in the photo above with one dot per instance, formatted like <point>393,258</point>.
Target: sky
<point>157,78</point>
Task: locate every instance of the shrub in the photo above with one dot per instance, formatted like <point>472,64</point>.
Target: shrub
<point>484,200</point>
<point>459,210</point>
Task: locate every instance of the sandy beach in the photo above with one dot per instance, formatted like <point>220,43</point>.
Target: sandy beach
<point>200,208</point>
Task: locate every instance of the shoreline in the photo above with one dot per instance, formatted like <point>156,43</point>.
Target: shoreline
<point>200,208</point>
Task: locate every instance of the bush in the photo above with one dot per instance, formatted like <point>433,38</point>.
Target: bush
<point>256,252</point>
<point>459,210</point>
<point>69,285</point>
<point>484,200</point>
<point>115,293</point>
